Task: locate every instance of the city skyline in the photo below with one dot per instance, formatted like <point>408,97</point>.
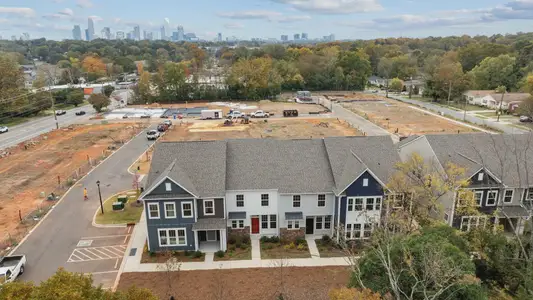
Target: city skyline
<point>354,19</point>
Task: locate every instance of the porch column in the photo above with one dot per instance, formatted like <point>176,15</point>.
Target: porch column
<point>223,242</point>
<point>195,240</point>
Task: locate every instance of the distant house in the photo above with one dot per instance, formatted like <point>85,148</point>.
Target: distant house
<point>475,97</point>
<point>492,101</point>
<point>417,84</point>
<point>376,81</point>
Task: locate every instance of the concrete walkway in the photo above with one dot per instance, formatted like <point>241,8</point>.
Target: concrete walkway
<point>312,248</point>
<point>133,263</point>
<point>209,257</point>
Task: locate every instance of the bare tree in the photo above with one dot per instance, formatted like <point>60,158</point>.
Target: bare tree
<point>171,267</point>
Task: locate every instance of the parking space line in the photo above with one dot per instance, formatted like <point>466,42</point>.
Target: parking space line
<point>103,253</point>
<point>77,251</point>
<point>116,263</point>
<point>94,253</point>
<point>102,236</point>
<point>125,239</point>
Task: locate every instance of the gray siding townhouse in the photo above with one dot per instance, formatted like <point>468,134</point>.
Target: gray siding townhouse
<point>497,167</point>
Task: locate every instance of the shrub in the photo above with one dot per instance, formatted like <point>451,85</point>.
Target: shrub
<point>326,239</point>
<point>301,247</point>
<point>238,245</point>
<point>152,253</point>
<point>244,247</point>
<point>198,254</point>
<point>232,239</point>
<point>265,239</point>
<point>175,253</point>
<point>246,240</point>
<point>187,253</point>
<point>274,239</point>
<point>269,246</point>
<point>219,254</point>
<point>300,241</point>
<point>232,248</point>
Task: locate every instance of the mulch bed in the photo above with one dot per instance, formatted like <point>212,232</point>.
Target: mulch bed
<point>235,254</point>
<point>163,257</point>
<point>299,283</point>
<point>279,250</point>
<point>328,249</point>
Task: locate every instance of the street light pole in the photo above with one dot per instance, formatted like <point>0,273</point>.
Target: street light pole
<point>100,195</point>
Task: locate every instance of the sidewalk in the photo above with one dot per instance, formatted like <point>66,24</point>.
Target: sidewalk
<point>133,263</point>
<point>312,248</point>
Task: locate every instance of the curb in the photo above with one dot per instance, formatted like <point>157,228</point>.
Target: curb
<point>125,258</point>
<point>63,197</point>
<point>108,225</point>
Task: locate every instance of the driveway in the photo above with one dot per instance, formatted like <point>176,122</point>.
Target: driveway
<point>66,237</point>
<point>460,115</point>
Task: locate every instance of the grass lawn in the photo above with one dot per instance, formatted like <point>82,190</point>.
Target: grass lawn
<point>143,166</point>
<point>488,114</point>
<point>162,257</point>
<point>19,120</point>
<point>278,250</point>
<point>234,253</point>
<point>130,214</point>
<point>328,249</point>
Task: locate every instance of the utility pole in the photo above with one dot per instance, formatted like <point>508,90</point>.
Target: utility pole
<point>502,90</point>
<point>52,98</point>
<point>411,87</point>
<point>449,91</point>
<point>464,115</point>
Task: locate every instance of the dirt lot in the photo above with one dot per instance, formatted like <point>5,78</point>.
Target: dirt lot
<point>398,117</point>
<point>269,106</point>
<point>243,284</point>
<point>25,173</point>
<point>284,129</point>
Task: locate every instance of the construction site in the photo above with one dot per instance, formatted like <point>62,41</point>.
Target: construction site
<point>397,117</point>
<point>37,172</point>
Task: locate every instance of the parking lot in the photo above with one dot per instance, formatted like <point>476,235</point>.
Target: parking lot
<point>100,256</point>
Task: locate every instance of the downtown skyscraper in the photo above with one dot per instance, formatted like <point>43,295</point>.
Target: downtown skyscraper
<point>137,33</point>
<point>163,33</point>
<point>90,29</point>
<point>76,33</point>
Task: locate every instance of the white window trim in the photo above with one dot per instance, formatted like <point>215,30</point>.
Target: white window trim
<point>512,196</point>
<point>318,201</point>
<point>261,200</point>
<point>237,221</point>
<point>392,198</point>
<point>526,192</point>
<point>495,198</point>
<point>168,186</point>
<point>237,200</point>
<point>293,222</point>
<point>168,237</point>
<point>212,201</point>
<point>477,223</point>
<point>149,210</point>
<point>480,203</point>
<point>365,182</point>
<point>361,231</point>
<point>480,176</point>
<point>363,203</point>
<point>165,209</point>
<point>299,201</point>
<point>182,210</point>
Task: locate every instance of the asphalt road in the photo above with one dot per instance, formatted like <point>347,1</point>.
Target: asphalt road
<point>55,240</point>
<point>31,129</point>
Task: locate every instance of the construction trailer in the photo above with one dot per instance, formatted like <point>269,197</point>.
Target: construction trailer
<point>209,114</point>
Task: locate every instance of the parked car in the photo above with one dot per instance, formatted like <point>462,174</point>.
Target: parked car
<point>167,122</point>
<point>526,119</point>
<point>11,267</point>
<point>146,116</point>
<point>60,112</point>
<point>80,113</point>
<point>162,127</point>
<point>260,114</point>
<point>235,114</point>
<point>152,134</point>
<point>3,129</point>
<point>290,113</point>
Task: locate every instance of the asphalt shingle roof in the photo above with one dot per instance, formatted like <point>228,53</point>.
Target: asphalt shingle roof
<point>209,224</point>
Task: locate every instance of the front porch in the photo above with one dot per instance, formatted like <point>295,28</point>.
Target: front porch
<point>210,235</point>
<point>512,218</point>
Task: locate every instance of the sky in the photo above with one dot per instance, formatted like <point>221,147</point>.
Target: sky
<point>245,19</point>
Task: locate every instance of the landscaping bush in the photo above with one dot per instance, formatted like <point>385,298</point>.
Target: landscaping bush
<point>269,246</point>
<point>246,240</point>
<point>152,254</point>
<point>187,253</point>
<point>300,241</point>
<point>289,246</point>
<point>238,245</point>
<point>265,239</point>
<point>175,253</point>
<point>274,239</point>
<point>197,254</point>
<point>219,254</point>
<point>232,248</point>
<point>232,239</point>
<point>326,239</point>
<point>244,247</point>
<point>301,247</point>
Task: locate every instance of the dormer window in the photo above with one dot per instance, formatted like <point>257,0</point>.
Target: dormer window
<point>480,176</point>
<point>365,181</point>
<point>168,186</point>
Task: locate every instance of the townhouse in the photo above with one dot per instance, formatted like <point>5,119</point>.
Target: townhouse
<point>199,193</point>
<point>497,168</point>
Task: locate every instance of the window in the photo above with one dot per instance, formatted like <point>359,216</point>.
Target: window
<point>378,204</point>
<point>367,230</point>
<point>268,220</point>
<point>472,222</point>
<point>480,176</point>
<point>237,224</point>
<point>508,196</point>
<point>321,200</point>
<point>491,198</point>
<point>348,231</point>
<point>358,204</point>
<point>209,207</point>
<point>172,237</point>
<point>478,197</point>
<point>264,221</point>
<point>395,200</point>
<point>529,194</point>
<point>186,209</point>
<point>168,186</point>
<point>350,204</point>
<point>153,210</point>
<point>264,199</point>
<point>462,197</point>
<point>170,210</point>
<point>446,217</point>
<point>296,201</point>
<point>365,181</point>
<point>240,200</point>
<point>293,224</point>
<point>369,203</point>
<point>353,231</point>
<point>327,222</point>
<point>318,223</point>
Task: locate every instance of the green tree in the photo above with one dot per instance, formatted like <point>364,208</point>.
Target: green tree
<point>495,71</point>
<point>108,90</point>
<point>171,81</point>
<point>396,85</point>
<point>75,97</point>
<point>144,87</point>
<point>356,67</point>
<point>99,102</point>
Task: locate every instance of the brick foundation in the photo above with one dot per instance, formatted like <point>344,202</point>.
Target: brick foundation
<point>291,235</point>
<point>241,232</point>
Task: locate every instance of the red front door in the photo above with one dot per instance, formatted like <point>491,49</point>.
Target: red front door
<point>255,225</point>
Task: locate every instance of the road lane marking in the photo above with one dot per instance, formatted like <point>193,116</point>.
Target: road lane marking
<point>97,253</point>
<point>102,236</point>
<point>103,272</point>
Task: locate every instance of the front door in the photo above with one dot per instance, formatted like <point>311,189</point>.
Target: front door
<point>309,225</point>
<point>211,235</point>
<point>255,225</point>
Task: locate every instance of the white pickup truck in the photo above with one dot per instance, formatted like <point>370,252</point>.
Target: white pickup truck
<point>11,267</point>
<point>260,114</point>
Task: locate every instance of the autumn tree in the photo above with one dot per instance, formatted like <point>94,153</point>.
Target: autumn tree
<point>385,70</point>
<point>353,294</point>
<point>13,100</point>
<point>144,88</point>
<point>99,102</point>
<point>94,66</point>
<point>448,80</point>
<point>171,82</point>
<point>396,85</point>
<point>254,78</point>
<point>108,90</point>
<point>495,71</point>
